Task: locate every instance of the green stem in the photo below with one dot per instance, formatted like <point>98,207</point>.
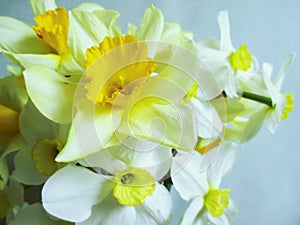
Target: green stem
<point>258,98</point>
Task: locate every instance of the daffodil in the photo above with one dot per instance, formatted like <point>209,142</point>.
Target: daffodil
<point>122,96</point>
<point>52,52</point>
<point>120,190</point>
<point>268,105</point>
<point>224,61</point>
<point>35,161</point>
<point>198,181</point>
<point>126,92</point>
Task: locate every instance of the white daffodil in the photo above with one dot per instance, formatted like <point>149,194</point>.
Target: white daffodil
<point>223,60</point>
<point>262,102</point>
<point>208,202</point>
<point>126,194</point>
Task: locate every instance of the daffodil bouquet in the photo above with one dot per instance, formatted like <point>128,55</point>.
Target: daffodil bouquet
<point>104,123</point>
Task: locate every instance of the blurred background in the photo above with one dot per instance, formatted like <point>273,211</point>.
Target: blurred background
<point>265,181</point>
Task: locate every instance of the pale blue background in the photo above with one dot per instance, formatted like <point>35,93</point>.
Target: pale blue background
<point>265,181</point>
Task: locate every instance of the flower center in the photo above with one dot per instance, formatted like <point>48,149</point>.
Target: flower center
<point>116,67</point>
<point>288,107</point>
<point>53,27</point>
<point>133,186</point>
<point>241,59</point>
<point>216,201</point>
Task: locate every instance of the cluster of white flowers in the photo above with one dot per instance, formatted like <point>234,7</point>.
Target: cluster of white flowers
<point>107,122</point>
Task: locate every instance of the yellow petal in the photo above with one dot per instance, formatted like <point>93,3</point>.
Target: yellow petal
<point>216,201</point>
<point>43,154</point>
<point>53,27</point>
<point>9,121</point>
<point>133,186</point>
<point>288,107</point>
<point>112,66</point>
<point>241,59</point>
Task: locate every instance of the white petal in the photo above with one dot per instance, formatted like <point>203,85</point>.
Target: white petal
<point>18,37</point>
<point>50,92</point>
<point>281,74</point>
<point>153,157</point>
<point>207,120</point>
<point>71,192</point>
<point>25,60</point>
<point>231,211</point>
<point>152,25</point>
<point>222,163</point>
<point>156,209</point>
<point>82,32</point>
<point>167,124</point>
<point>192,211</point>
<point>93,129</point>
<point>104,160</point>
<point>42,6</point>
<point>224,25</point>
<point>187,178</point>
<point>110,212</point>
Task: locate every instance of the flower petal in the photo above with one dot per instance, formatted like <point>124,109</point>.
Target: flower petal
<point>156,209</point>
<point>25,171</point>
<point>35,215</point>
<point>209,124</point>
<point>13,93</point>
<point>110,212</point>
<point>18,37</point>
<point>93,129</point>
<point>190,215</point>
<point>168,124</point>
<point>33,125</point>
<point>152,25</point>
<point>42,6</point>
<point>41,82</point>
<point>25,60</point>
<point>72,191</point>
<point>186,172</point>
<point>82,34</point>
<point>154,158</point>
<point>223,20</point>
<point>222,163</point>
